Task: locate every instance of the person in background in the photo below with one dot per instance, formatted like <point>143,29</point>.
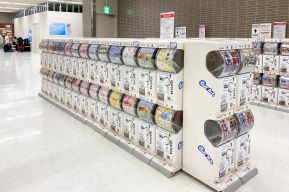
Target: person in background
<point>7,47</point>
<point>8,38</point>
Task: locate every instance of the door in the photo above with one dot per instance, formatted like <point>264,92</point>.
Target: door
<point>35,37</point>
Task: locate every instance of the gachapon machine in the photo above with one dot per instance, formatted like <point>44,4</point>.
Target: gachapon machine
<point>61,54</point>
<point>131,71</point>
<point>68,82</point>
<point>50,54</point>
<point>45,73</point>
<point>146,131</point>
<point>257,88</point>
<point>84,62</point>
<point>284,58</point>
<point>68,98</point>
<point>51,89</point>
<point>84,88</point>
<point>257,46</point>
<point>245,122</point>
<point>55,55</point>
<point>169,140</point>
<point>170,77</point>
<point>67,67</point>
<point>93,50</point>
<point>103,53</point>
<point>147,74</point>
<point>76,58</point>
<point>116,68</point>
<point>104,74</point>
<point>61,80</point>
<point>76,102</point>
<point>56,94</point>
<point>104,107</point>
<point>94,110</point>
<point>116,115</point>
<point>221,134</point>
<point>244,76</point>
<point>269,90</point>
<point>44,54</point>
<point>94,72</point>
<point>84,105</point>
<point>50,75</point>
<point>223,65</point>
<point>283,95</point>
<point>208,111</point>
<point>56,78</point>
<point>271,57</point>
<point>62,95</point>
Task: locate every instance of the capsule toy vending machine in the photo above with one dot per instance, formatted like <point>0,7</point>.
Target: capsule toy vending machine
<point>169,141</point>
<point>148,71</point>
<point>51,83</point>
<point>247,61</point>
<point>56,96</point>
<point>170,74</point>
<point>146,148</point>
<point>50,54</point>
<point>75,59</point>
<point>76,97</point>
<point>55,55</point>
<point>84,100</point>
<point>208,114</point>
<point>61,54</point>
<point>85,60</point>
<point>68,92</point>
<point>130,123</point>
<point>257,45</point>
<point>283,95</point>
<point>93,68</point>
<point>269,90</point>
<point>284,57</point>
<point>104,110</point>
<point>116,114</point>
<point>104,65</point>
<point>257,88</point>
<point>62,91</point>
<point>67,67</point>
<point>94,105</point>
<point>116,65</point>
<point>271,56</point>
<point>44,56</point>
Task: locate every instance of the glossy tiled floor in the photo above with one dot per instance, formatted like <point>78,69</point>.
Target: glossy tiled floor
<point>42,149</point>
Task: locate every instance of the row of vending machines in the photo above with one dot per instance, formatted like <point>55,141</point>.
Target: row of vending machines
<point>132,91</point>
<point>271,74</point>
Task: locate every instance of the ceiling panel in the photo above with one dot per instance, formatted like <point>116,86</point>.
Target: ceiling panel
<point>12,6</point>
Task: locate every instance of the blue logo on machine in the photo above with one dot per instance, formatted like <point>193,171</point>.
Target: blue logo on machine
<point>202,149</point>
<point>180,145</point>
<point>181,85</point>
<point>203,83</point>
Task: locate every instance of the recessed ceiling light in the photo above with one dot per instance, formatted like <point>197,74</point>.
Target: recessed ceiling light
<point>5,2</point>
<point>21,4</point>
<point>5,11</point>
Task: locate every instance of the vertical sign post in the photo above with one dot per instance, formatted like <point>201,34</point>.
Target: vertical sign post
<point>167,25</point>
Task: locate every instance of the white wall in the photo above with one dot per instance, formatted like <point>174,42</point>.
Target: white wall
<point>23,24</point>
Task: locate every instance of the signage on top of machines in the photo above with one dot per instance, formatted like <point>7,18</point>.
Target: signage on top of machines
<point>255,30</point>
<point>265,30</point>
<point>279,30</point>
<point>167,25</point>
<point>181,32</point>
<point>202,31</point>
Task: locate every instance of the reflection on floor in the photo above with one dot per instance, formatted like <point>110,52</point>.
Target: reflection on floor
<point>43,149</point>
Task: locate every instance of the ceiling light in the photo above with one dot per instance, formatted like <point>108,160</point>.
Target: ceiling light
<point>5,11</point>
<point>5,2</point>
<point>21,4</point>
<point>11,8</point>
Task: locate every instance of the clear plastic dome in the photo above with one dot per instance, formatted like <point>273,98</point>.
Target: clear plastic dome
<point>76,84</point>
<point>245,121</point>
<point>223,63</point>
<point>61,80</point>
<point>50,46</point>
<point>103,53</point>
<point>170,60</point>
<point>83,50</point>
<point>169,119</point>
<point>84,88</point>
<point>115,100</point>
<point>50,75</point>
<point>60,48</point>
<point>75,49</point>
<point>129,105</point>
<point>93,91</point>
<point>115,54</point>
<point>67,49</point>
<point>221,131</point>
<point>146,111</point>
<point>55,47</point>
<point>68,82</point>
<point>129,56</point>
<point>92,52</point>
<point>146,58</point>
<point>248,60</point>
<point>56,78</point>
<point>104,94</point>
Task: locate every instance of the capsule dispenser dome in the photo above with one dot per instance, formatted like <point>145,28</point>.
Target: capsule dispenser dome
<point>269,90</point>
<point>271,56</point>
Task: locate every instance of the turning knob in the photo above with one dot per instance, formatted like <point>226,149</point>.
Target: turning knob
<point>246,144</point>
<point>147,77</point>
<point>167,81</point>
<point>230,87</point>
<point>166,141</point>
<point>229,154</point>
